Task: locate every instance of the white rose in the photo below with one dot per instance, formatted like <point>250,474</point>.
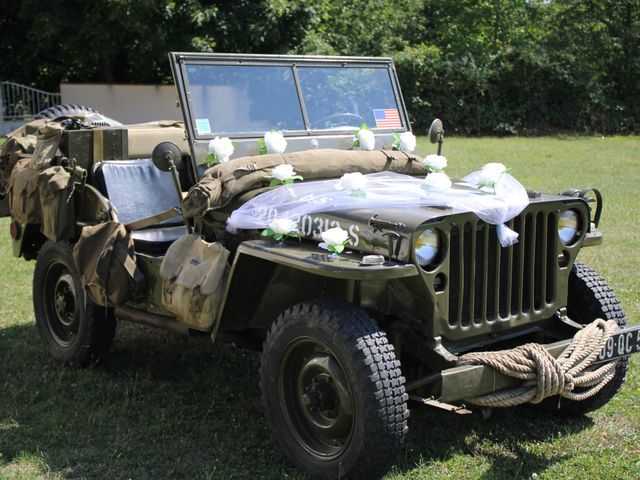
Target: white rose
<point>222,148</point>
<point>283,226</point>
<point>352,181</point>
<point>367,139</point>
<point>275,142</point>
<point>408,142</point>
<point>437,181</point>
<point>283,172</point>
<point>435,163</point>
<point>490,174</point>
<point>335,236</point>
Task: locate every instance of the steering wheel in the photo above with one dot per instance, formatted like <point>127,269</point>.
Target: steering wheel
<point>332,120</point>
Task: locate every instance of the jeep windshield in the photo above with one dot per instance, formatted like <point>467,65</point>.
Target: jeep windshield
<point>248,96</point>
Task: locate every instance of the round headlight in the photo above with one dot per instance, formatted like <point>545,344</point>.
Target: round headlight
<point>568,226</point>
<point>427,247</point>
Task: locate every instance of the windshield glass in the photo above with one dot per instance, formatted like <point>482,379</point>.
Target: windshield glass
<point>253,99</point>
<point>338,97</point>
<point>235,99</point>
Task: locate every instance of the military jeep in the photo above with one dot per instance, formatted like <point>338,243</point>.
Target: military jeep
<point>129,222</point>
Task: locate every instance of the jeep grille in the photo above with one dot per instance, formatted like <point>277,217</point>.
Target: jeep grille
<point>512,281</point>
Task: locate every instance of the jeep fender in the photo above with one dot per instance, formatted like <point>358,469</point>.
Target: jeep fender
<point>265,279</point>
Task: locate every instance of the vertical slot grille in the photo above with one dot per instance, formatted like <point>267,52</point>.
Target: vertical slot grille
<point>489,282</point>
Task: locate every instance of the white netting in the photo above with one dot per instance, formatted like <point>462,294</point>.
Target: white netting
<point>385,189</point>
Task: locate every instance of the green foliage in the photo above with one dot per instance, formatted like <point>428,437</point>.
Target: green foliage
<point>211,159</point>
<point>490,66</point>
<point>262,146</point>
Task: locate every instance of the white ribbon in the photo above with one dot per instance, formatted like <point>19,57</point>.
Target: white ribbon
<point>383,190</point>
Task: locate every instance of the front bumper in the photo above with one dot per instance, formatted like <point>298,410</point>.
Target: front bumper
<point>469,381</point>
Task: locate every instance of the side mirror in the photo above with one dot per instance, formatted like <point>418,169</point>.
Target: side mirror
<point>166,156</point>
<point>436,134</point>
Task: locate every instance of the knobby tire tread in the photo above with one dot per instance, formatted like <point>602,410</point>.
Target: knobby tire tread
<point>375,360</point>
<point>99,325</point>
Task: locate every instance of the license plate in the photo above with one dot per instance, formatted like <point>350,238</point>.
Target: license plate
<point>624,342</point>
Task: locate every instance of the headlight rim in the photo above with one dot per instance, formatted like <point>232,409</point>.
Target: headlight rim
<point>576,231</point>
<point>436,259</point>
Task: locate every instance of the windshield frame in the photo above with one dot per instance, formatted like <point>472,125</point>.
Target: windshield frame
<point>181,61</point>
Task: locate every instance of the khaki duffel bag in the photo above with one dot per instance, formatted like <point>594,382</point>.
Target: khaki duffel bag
<point>24,200</point>
<point>194,275</point>
<point>55,186</point>
<point>224,181</point>
<point>106,261</point>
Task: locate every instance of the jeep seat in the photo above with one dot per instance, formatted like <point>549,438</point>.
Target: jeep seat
<point>138,190</point>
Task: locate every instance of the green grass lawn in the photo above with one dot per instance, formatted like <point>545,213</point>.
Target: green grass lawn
<point>163,406</point>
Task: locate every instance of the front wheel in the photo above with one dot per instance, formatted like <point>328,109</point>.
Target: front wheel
<point>73,329</point>
<point>333,391</point>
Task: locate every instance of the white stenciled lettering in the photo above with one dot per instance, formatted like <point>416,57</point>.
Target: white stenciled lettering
<point>621,345</point>
<point>317,221</point>
<point>628,347</point>
<point>306,225</point>
<point>610,347</point>
<point>353,233</point>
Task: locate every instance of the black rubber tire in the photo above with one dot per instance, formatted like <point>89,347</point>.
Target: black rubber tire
<point>92,328</point>
<point>373,374</point>
<point>69,110</point>
<point>66,111</point>
<point>590,297</point>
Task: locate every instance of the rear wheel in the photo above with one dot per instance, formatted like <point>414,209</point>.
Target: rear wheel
<point>73,329</point>
<point>333,391</point>
<point>68,110</point>
<point>590,298</point>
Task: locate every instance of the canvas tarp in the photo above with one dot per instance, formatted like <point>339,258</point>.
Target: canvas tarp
<point>223,182</point>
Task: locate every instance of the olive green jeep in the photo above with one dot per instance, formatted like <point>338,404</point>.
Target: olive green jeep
<point>405,300</point>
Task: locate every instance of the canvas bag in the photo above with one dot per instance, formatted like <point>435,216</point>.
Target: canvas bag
<point>106,261</point>
<point>55,186</point>
<point>11,151</point>
<point>48,141</point>
<point>224,181</point>
<point>194,275</point>
<point>24,200</point>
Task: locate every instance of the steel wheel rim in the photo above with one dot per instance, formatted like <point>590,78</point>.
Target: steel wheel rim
<point>61,306</point>
<point>316,398</point>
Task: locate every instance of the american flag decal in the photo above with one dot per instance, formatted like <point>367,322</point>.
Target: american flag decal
<point>387,118</point>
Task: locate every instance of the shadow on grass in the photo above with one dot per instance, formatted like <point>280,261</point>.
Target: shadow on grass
<point>162,406</point>
<point>509,441</point>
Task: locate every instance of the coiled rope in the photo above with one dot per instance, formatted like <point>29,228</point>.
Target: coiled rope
<point>545,376</point>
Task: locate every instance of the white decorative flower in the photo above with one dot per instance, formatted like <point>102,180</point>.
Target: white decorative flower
<point>434,163</point>
<point>283,226</point>
<point>275,142</point>
<point>283,172</point>
<point>334,240</point>
<point>222,148</point>
<point>352,181</point>
<point>367,139</point>
<point>335,236</point>
<point>408,142</point>
<point>437,181</point>
<point>490,174</point>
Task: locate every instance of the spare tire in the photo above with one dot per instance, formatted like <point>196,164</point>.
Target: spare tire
<point>90,115</point>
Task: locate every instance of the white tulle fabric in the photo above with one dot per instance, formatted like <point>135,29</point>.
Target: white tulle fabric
<point>384,190</point>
